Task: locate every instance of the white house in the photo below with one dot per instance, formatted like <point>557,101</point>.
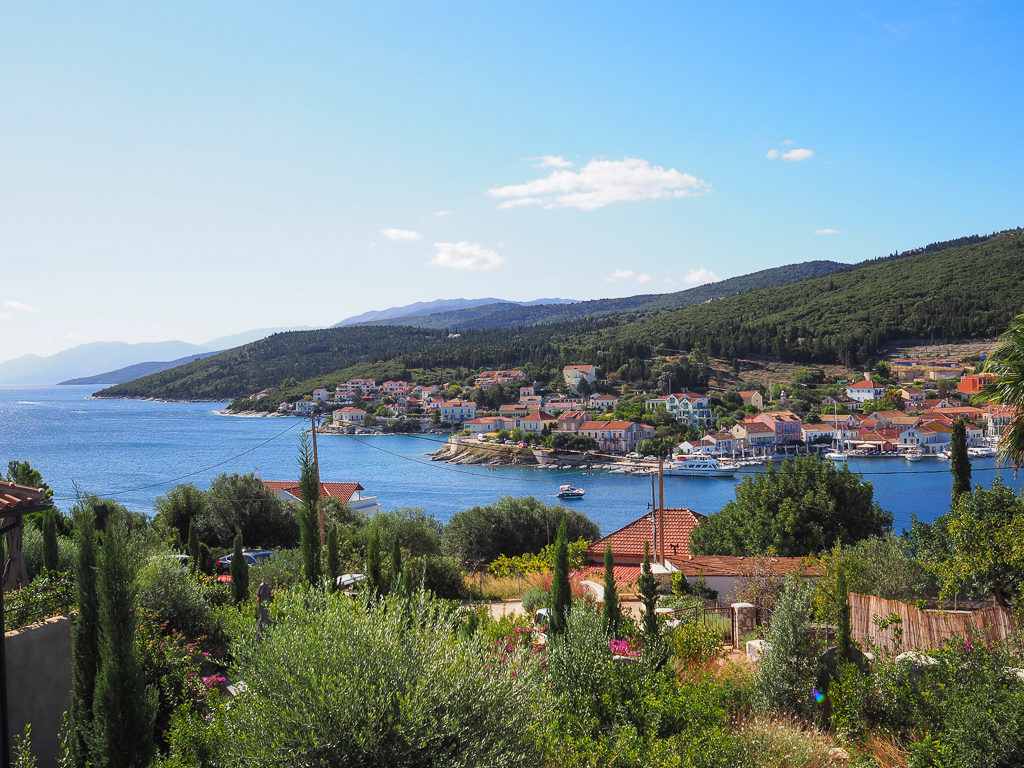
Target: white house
<point>322,395</point>
<point>349,494</point>
<point>348,415</point>
<point>865,390</point>
<point>754,435</point>
<point>305,407</point>
<point>575,374</point>
<point>686,407</point>
<point>601,402</point>
<point>931,437</point>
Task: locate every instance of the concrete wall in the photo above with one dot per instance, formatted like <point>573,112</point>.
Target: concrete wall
<point>39,683</point>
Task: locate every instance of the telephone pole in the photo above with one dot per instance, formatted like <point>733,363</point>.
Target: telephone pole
<point>319,496</point>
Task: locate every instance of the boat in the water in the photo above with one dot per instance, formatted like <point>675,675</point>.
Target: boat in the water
<point>837,455</point>
<point>706,466</point>
<point>570,492</point>
<point>914,454</point>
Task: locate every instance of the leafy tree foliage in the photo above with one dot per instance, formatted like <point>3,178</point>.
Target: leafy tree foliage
<point>416,532</point>
<point>569,441</point>
<point>51,552</point>
<point>180,506</point>
<point>803,507</point>
<point>511,526</point>
<point>982,535</point>
<point>243,501</point>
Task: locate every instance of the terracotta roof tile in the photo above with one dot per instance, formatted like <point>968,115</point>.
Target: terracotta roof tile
<point>16,498</point>
<point>628,541</point>
<point>341,491</point>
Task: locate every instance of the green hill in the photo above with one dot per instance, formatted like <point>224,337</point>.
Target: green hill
<point>506,315</point>
<point>942,292</point>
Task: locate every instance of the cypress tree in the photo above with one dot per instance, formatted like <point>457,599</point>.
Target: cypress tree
<point>239,570</point>
<point>333,555</point>
<point>648,587</point>
<point>194,555</point>
<point>396,565</point>
<point>373,562</point>
<point>610,610</point>
<point>205,561</point>
<point>84,644</point>
<point>960,461</point>
<point>51,553</point>
<point>124,708</point>
<point>561,596</point>
<point>844,635</point>
<point>309,533</point>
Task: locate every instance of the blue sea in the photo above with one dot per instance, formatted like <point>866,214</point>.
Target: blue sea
<point>136,450</point>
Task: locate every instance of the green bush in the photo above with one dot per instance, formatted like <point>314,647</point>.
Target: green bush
<point>32,551</point>
<point>695,643</point>
<point>534,598</point>
<point>281,571</point>
<point>48,594</point>
<point>786,675</point>
<point>341,682</point>
<point>180,600</point>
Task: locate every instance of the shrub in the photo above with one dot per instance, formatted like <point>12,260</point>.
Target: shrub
<point>48,594</point>
<point>695,643</point>
<point>281,571</point>
<point>534,598</point>
<point>32,551</point>
<point>175,596</point>
<point>339,682</point>
<point>787,671</point>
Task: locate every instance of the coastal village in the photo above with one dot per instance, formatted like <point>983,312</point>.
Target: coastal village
<point>907,407</point>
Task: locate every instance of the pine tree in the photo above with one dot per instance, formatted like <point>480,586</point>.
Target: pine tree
<point>960,461</point>
<point>51,553</point>
<point>84,644</point>
<point>124,708</point>
<point>239,570</point>
<point>610,611</point>
<point>333,555</point>
<point>648,588</point>
<point>561,596</point>
<point>396,566</point>
<point>194,555</point>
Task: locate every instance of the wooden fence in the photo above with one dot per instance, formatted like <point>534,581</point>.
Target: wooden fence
<point>924,629</point>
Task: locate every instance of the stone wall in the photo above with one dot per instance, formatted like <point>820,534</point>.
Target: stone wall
<point>39,683</point>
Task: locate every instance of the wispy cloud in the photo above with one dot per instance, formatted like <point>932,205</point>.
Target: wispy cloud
<point>700,276</point>
<point>600,183</point>
<point>5,316</point>
<point>786,142</point>
<point>465,255</point>
<point>771,154</point>
<point>826,232</point>
<point>551,161</point>
<point>442,213</point>
<point>401,234</point>
<point>17,305</point>
<point>627,274</point>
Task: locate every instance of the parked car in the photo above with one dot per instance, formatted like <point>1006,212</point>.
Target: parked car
<point>251,557</point>
<point>633,455</point>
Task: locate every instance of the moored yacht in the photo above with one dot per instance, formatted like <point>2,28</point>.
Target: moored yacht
<point>703,466</point>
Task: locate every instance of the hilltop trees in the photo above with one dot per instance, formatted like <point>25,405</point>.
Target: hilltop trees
<point>803,507</point>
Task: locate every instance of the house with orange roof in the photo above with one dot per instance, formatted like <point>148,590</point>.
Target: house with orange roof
<point>535,423</point>
<point>349,494</point>
<point>488,379</point>
<point>865,390</point>
<point>570,421</point>
<point>616,436</point>
<point>754,436</point>
<point>785,423</point>
<point>974,383</point>
<point>456,411</point>
<point>348,415</point>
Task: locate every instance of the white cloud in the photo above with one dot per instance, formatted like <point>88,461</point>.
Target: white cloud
<point>699,276</point>
<point>5,316</point>
<point>669,281</point>
<point>796,155</point>
<point>826,232</point>
<point>772,154</point>
<point>643,278</point>
<point>401,234</point>
<point>442,213</point>
<point>464,255</point>
<point>600,183</point>
<point>627,274</point>
<point>551,161</point>
<point>19,306</point>
<point>787,142</point>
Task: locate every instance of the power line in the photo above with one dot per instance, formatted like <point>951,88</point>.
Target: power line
<point>188,474</point>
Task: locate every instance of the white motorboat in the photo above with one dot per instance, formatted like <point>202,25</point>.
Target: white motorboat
<point>570,492</point>
<point>700,467</point>
<point>914,454</point>
<point>837,455</point>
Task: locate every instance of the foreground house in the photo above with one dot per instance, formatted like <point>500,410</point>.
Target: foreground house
<point>349,494</point>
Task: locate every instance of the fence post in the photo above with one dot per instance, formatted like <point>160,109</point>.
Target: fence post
<point>744,619</point>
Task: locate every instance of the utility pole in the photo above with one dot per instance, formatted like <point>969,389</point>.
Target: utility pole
<point>661,504</point>
<point>654,521</point>
<point>319,496</point>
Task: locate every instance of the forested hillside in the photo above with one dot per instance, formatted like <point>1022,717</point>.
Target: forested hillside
<point>507,315</point>
<point>939,292</point>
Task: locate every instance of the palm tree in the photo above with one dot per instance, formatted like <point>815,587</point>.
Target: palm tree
<point>1007,363</point>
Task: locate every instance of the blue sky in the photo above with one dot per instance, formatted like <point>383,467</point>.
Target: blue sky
<point>187,170</point>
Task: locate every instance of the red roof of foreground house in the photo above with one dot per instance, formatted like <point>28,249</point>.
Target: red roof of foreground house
<point>21,498</point>
<point>628,541</point>
<point>866,384</point>
<point>341,491</point>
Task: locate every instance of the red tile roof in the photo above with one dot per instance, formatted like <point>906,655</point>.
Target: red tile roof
<point>21,498</point>
<point>628,541</point>
<point>605,425</point>
<point>340,491</point>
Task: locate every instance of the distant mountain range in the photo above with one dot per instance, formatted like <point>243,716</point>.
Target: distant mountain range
<point>425,308</point>
<point>113,362</point>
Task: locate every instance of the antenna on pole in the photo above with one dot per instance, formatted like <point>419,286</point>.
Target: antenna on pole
<point>654,520</point>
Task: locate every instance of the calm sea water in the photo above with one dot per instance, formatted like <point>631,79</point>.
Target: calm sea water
<point>134,451</point>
